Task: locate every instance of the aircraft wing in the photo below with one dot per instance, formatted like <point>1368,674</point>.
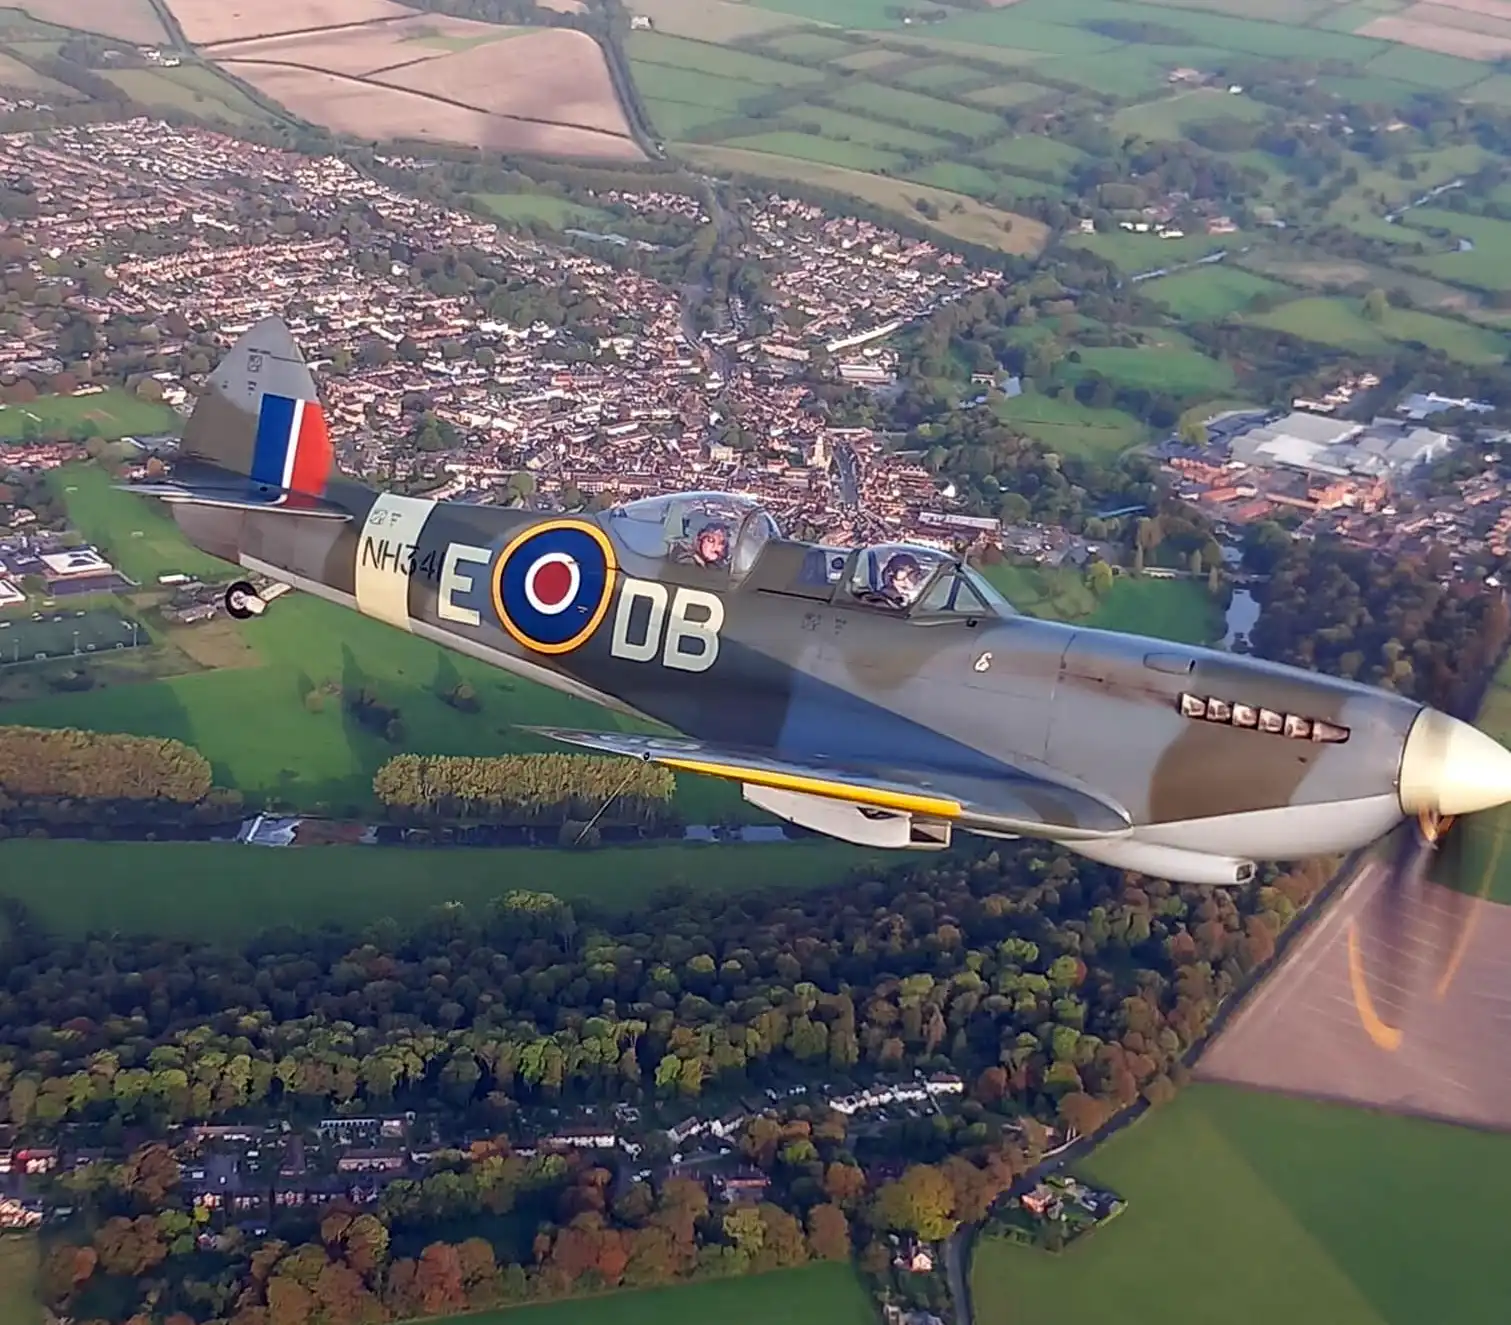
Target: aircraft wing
<point>1017,801</point>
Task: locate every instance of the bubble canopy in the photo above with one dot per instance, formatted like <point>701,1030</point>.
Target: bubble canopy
<point>717,531</point>
<point>921,581</point>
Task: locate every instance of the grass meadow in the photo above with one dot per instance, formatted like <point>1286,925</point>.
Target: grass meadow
<point>226,891</point>
<point>824,1294</point>
<point>1207,294</point>
<point>1071,427</point>
<point>1250,1209</point>
<point>288,753</point>
<point>18,1278</point>
<point>558,212</point>
<point>110,414</point>
<point>1341,322</point>
<point>1180,610</point>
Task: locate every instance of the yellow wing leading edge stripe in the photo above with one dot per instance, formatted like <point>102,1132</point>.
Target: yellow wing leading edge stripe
<point>856,793</point>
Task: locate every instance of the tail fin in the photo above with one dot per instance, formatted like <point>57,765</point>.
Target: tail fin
<point>261,416</point>
<point>257,438</point>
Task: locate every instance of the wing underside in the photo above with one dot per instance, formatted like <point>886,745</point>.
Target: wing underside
<point>1014,802</point>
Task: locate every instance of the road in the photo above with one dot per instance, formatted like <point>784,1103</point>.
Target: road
<point>849,473</point>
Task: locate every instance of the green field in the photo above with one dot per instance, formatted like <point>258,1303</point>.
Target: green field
<point>196,89</point>
<point>136,535</point>
<point>957,215</point>
<point>298,757</point>
<point>824,1294</point>
<point>1135,253</point>
<point>1158,367</point>
<point>110,414</point>
<point>223,890</point>
<point>1180,610</point>
<point>1250,1209</point>
<point>929,113</point>
<point>1205,294</point>
<point>677,53</point>
<point>18,1277</point>
<point>1487,266</point>
<point>1341,322</point>
<point>1485,839</point>
<point>253,725</point>
<point>558,212</point>
<point>1172,116</point>
<point>1071,427</point>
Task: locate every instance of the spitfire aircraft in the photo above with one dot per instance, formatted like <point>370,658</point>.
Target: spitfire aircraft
<point>883,695</point>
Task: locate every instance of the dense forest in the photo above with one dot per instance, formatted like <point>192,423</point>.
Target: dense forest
<point>1073,986</point>
<point>1344,611</point>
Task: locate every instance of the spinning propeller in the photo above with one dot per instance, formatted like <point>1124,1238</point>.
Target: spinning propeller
<point>1411,937</point>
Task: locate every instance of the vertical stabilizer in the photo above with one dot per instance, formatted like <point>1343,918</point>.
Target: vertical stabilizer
<point>261,418</point>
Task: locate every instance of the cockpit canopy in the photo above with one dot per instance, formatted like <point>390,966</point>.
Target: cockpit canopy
<point>895,574</point>
<point>922,582</point>
<point>724,534</point>
<point>716,531</point>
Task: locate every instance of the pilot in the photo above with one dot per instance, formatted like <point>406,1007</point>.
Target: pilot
<point>901,579</point>
<point>710,546</point>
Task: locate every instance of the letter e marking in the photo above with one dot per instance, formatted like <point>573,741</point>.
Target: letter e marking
<point>453,583</point>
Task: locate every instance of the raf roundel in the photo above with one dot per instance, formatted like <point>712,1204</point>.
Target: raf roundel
<point>551,585</point>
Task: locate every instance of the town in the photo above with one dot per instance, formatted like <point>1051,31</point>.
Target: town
<point>438,394</point>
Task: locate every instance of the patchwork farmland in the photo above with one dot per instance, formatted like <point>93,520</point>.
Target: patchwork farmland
<point>963,100</point>
<point>380,71</point>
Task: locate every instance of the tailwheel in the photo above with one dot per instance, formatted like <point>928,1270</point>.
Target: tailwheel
<point>239,601</point>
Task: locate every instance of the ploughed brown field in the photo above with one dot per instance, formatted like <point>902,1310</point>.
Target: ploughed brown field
<point>1430,35</point>
<point>379,71</point>
<point>206,22</point>
<point>550,73</point>
<point>1490,8</point>
<point>126,20</point>
<point>1408,1015</point>
<point>373,111</point>
<point>370,47</point>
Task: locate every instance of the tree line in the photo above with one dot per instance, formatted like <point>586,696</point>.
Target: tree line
<point>1348,612</point>
<point>67,764</point>
<point>522,788</point>
<point>1065,987</point>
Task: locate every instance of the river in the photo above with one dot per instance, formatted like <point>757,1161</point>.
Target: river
<point>1241,615</point>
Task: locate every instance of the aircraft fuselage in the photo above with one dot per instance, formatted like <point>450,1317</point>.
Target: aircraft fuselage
<point>802,678</point>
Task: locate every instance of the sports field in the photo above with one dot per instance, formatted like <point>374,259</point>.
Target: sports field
<point>226,890</point>
<point>137,536</point>
<point>1253,1209</point>
<point>64,633</point>
<point>110,414</point>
